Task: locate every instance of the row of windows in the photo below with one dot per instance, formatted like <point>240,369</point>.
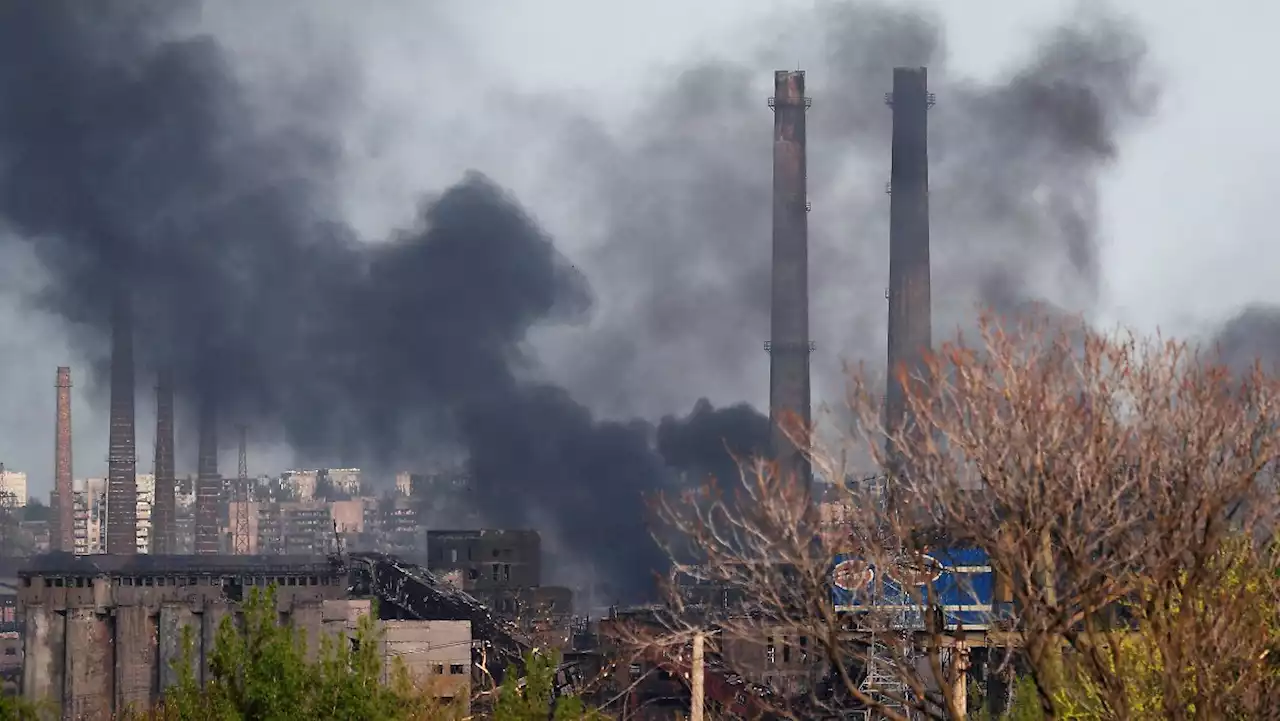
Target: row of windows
<point>455,669</point>
<point>133,581</point>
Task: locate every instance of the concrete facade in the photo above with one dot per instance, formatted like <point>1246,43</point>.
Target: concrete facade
<point>100,632</point>
<point>437,654</point>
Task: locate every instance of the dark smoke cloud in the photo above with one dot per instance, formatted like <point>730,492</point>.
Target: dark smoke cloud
<point>130,155</point>
<point>1251,335</point>
<point>681,192</point>
<point>130,159</point>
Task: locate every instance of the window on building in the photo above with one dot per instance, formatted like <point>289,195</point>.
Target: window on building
<point>456,669</point>
<point>786,651</point>
<point>770,652</point>
<point>10,651</point>
<point>635,671</point>
<point>506,571</point>
<point>495,571</point>
<point>804,649</point>
<point>453,555</point>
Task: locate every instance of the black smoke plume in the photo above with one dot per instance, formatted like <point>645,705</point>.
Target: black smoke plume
<point>1016,167</point>
<point>130,155</point>
<point>128,159</point>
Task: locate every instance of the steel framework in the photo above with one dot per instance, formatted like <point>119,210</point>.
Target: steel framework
<point>240,520</point>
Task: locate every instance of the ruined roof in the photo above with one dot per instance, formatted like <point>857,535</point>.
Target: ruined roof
<point>66,564</point>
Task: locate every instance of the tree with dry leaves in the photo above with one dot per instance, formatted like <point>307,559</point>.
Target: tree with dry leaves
<point>1121,491</point>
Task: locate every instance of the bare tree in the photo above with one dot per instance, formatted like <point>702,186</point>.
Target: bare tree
<point>1121,490</point>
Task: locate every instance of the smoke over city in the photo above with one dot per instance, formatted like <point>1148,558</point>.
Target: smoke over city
<point>132,157</point>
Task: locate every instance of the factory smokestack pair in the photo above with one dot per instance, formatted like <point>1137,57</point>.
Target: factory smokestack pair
<point>910,335</point>
<point>122,480</point>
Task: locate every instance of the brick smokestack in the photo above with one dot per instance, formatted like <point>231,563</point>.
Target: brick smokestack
<point>789,345</point>
<point>910,336</point>
<point>208,482</point>
<point>164,512</point>
<point>63,536</point>
<point>122,460</point>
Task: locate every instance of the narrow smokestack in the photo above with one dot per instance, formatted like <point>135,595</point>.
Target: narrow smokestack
<point>910,337</point>
<point>208,482</point>
<point>164,512</point>
<point>789,344</point>
<point>63,536</point>
<point>122,460</point>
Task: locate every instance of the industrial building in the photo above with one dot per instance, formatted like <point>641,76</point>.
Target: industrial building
<point>100,632</point>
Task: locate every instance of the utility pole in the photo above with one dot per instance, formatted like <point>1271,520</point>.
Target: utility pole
<point>698,686</point>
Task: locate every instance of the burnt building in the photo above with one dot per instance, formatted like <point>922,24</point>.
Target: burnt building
<point>501,568</point>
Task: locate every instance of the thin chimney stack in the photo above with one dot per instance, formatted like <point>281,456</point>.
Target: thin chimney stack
<point>164,512</point>
<point>122,461</point>
<point>208,481</point>
<point>789,345</point>
<point>910,335</point>
<point>63,536</point>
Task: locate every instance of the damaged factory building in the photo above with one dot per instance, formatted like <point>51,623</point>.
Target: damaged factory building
<point>101,633</point>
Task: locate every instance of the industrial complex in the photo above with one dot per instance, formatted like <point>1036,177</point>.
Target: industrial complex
<point>130,563</point>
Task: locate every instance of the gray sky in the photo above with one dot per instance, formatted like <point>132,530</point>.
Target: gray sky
<point>1186,208</point>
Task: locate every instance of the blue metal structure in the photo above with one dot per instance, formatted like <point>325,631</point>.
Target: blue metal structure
<point>961,582</point>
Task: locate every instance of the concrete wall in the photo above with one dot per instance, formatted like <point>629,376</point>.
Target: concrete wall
<point>97,646</point>
<point>437,654</point>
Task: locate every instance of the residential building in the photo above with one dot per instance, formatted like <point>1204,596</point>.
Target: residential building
<point>13,488</point>
<point>90,515</point>
<point>146,501</point>
<point>301,484</point>
<point>347,481</point>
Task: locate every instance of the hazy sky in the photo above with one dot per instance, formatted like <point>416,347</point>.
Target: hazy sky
<point>1187,208</point>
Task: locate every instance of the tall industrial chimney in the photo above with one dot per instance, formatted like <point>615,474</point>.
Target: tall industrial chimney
<point>910,337</point>
<point>63,536</point>
<point>789,345</point>
<point>122,460</point>
<point>208,482</point>
<point>164,512</point>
